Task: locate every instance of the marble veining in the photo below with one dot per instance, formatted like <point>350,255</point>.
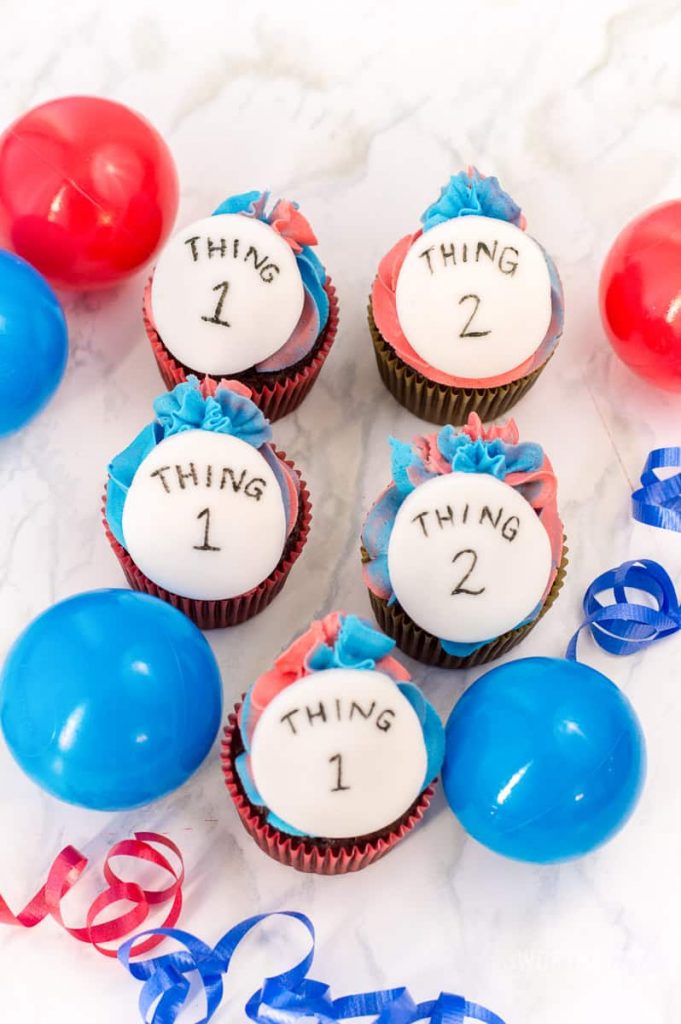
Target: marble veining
<point>361,111</point>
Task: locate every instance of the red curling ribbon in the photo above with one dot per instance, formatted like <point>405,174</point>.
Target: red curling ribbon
<point>70,865</point>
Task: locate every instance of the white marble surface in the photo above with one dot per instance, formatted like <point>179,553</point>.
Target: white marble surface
<point>361,111</point>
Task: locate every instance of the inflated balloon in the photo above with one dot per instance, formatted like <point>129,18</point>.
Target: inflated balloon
<point>33,342</point>
<point>545,759</point>
<point>640,295</point>
<point>88,190</point>
<point>110,699</point>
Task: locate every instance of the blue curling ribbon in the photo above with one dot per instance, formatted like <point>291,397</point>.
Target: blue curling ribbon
<point>623,626</point>
<point>449,1009</point>
<point>283,999</point>
<point>658,502</point>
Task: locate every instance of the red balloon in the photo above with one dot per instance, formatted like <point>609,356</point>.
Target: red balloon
<point>640,295</point>
<point>88,191</point>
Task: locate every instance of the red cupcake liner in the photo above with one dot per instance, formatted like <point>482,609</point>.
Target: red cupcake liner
<point>275,398</point>
<point>331,857</point>
<point>233,610</point>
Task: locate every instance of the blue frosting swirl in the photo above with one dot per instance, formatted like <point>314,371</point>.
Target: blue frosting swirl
<point>464,455</point>
<point>311,269</point>
<point>357,646</point>
<point>183,408</point>
<point>467,194</point>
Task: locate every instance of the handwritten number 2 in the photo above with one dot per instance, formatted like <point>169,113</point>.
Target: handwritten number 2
<point>466,333</point>
<point>223,288</point>
<point>206,546</point>
<point>460,588</point>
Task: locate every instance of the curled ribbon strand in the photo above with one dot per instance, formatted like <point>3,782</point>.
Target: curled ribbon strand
<point>658,502</point>
<point>624,627</point>
<point>68,867</point>
<point>449,1009</point>
<point>286,998</point>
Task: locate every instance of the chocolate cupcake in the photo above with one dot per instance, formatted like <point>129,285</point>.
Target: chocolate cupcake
<point>241,294</point>
<point>201,510</point>
<point>331,757</point>
<point>463,552</point>
<point>466,312</point>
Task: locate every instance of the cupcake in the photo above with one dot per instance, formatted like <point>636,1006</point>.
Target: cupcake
<point>465,313</point>
<point>201,510</point>
<point>331,757</point>
<point>463,552</point>
<point>241,294</point>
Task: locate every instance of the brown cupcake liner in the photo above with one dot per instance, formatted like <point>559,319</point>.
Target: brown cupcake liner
<point>328,857</point>
<point>426,648</point>
<point>440,403</point>
<point>277,395</point>
<point>234,610</point>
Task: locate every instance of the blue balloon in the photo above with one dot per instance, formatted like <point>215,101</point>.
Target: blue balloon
<point>33,342</point>
<point>545,759</point>
<point>110,699</point>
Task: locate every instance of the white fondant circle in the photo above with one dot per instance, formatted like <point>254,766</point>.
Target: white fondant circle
<point>474,297</point>
<point>226,293</point>
<point>172,538</point>
<point>476,571</point>
<point>344,774</point>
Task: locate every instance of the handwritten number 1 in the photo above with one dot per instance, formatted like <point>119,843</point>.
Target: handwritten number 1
<point>206,546</point>
<point>223,288</point>
<point>338,760</point>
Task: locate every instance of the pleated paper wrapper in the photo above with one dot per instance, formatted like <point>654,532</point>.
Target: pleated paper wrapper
<point>277,395</point>
<point>319,857</point>
<point>440,403</point>
<point>233,610</point>
<point>426,648</point>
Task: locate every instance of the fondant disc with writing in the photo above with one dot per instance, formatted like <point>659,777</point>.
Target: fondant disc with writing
<point>474,296</point>
<point>226,294</point>
<point>204,516</point>
<point>468,558</point>
<point>340,753</point>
